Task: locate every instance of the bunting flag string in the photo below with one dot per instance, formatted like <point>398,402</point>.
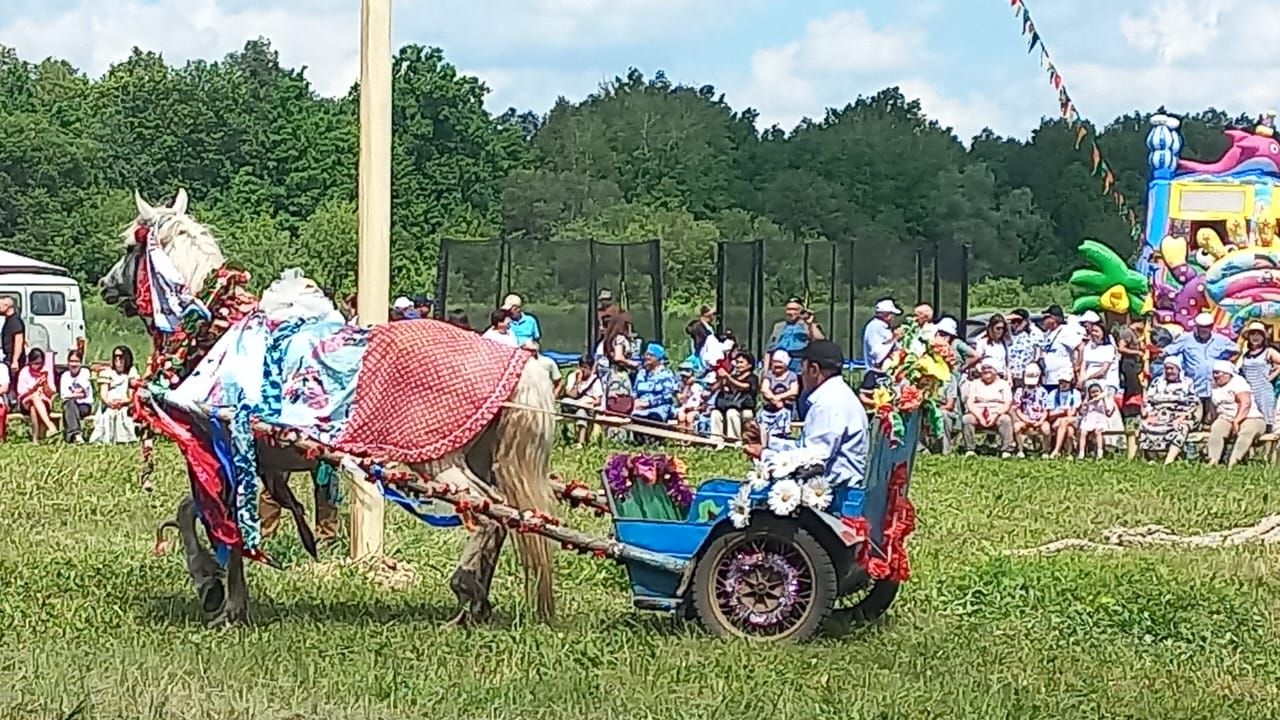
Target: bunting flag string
<point>1067,107</point>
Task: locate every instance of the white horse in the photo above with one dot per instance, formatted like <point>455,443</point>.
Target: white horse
<point>517,442</point>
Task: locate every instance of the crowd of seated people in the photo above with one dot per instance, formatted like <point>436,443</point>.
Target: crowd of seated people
<point>716,390</point>
<point>79,404</point>
<point>1077,388</point>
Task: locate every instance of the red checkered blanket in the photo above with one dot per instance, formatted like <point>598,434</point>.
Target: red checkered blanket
<point>426,389</point>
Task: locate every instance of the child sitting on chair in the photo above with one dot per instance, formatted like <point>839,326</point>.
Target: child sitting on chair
<point>1095,417</point>
<point>693,401</point>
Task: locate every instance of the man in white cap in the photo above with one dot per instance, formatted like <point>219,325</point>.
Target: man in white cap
<point>879,341</point>
<point>523,325</point>
<point>1198,350</point>
<point>399,306</point>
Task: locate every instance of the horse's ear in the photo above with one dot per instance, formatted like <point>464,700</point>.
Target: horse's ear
<point>180,202</point>
<point>145,212</point>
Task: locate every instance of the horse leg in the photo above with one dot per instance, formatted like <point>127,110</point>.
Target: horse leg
<point>236,609</point>
<point>202,567</point>
<point>473,578</point>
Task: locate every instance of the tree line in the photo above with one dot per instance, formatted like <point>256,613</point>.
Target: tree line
<point>271,167</point>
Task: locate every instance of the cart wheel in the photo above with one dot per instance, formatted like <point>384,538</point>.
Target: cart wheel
<point>874,603</point>
<point>768,583</point>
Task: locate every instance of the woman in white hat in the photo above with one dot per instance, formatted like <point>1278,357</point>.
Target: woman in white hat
<point>1260,366</point>
<point>1170,409</point>
<point>1236,415</point>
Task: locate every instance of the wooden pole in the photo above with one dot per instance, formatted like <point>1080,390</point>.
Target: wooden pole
<point>373,278</point>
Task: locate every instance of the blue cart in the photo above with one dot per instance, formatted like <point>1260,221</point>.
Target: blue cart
<point>781,577</point>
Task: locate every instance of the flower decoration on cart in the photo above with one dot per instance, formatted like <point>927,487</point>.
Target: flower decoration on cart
<point>784,484</point>
<point>624,471</point>
<point>917,371</point>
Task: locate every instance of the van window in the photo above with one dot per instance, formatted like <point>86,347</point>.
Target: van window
<point>16,297</point>
<point>48,303</point>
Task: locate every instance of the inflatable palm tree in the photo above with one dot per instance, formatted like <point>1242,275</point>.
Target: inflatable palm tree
<point>1109,285</point>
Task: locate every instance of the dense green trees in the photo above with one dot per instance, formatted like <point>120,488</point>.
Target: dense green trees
<point>271,166</point>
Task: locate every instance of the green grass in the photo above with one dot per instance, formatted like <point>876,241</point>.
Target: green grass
<point>90,620</point>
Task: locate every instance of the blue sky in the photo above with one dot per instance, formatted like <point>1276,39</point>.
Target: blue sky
<point>964,59</point>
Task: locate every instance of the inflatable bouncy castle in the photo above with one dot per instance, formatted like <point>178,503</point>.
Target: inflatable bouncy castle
<point>1210,243</point>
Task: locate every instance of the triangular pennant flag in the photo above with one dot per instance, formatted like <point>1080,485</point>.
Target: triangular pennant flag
<point>1096,156</point>
<point>1057,80</point>
<point>1119,199</point>
<point>1107,181</point>
<point>1014,4</point>
<point>1035,40</point>
<point>1133,216</point>
<point>1072,116</point>
<point>1081,132</point>
<point>1063,97</point>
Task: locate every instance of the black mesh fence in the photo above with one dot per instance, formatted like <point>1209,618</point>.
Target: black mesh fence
<point>740,291</point>
<point>839,281</point>
<point>819,273</point>
<point>557,280</point>
<point>632,272</point>
<point>471,278</point>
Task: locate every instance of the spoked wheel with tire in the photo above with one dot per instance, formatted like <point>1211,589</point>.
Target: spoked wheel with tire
<point>868,604</point>
<point>772,582</point>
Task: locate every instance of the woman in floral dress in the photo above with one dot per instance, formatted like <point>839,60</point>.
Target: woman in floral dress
<point>1171,409</point>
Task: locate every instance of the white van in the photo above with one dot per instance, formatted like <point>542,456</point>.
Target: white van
<point>48,300</point>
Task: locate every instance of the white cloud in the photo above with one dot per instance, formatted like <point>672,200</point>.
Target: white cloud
<point>1186,55</point>
<point>561,23</point>
<point>534,88</point>
<point>95,35</point>
<point>324,35</point>
<point>844,55</point>
<point>1175,30</point>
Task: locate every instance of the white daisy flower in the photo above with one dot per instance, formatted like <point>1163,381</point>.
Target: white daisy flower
<point>757,478</point>
<point>740,508</point>
<point>817,494</point>
<point>785,496</point>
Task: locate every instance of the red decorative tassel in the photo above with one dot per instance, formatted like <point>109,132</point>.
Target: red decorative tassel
<point>142,286</point>
<point>900,521</point>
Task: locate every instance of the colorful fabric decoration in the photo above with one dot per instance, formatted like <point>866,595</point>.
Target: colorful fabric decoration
<point>441,401</point>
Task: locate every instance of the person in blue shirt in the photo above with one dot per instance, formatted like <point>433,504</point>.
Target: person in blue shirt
<point>879,340</point>
<point>655,386</point>
<point>1198,350</point>
<point>523,325</point>
<point>836,424</point>
<point>794,333</point>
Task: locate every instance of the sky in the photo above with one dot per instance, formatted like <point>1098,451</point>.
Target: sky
<point>964,59</point>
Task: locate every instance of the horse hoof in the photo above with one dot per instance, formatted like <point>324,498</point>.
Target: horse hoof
<point>227,620</point>
<point>458,622</point>
<point>212,596</point>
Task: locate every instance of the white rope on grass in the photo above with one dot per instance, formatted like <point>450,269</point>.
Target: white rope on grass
<point>1265,531</point>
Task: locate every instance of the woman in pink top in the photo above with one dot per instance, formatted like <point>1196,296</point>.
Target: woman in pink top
<point>36,393</point>
<point>987,402</point>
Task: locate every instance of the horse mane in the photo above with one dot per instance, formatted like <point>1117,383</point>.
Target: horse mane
<point>190,246</point>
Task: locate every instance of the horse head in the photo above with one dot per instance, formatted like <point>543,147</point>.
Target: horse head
<point>189,245</point>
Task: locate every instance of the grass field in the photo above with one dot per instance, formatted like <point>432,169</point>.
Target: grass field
<point>91,622</point>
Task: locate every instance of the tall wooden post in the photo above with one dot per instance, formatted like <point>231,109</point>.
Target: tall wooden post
<point>374,273</point>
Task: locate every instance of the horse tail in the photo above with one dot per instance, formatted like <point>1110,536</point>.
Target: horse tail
<point>522,470</point>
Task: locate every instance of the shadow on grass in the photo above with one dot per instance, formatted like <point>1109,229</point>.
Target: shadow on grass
<point>183,610</point>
